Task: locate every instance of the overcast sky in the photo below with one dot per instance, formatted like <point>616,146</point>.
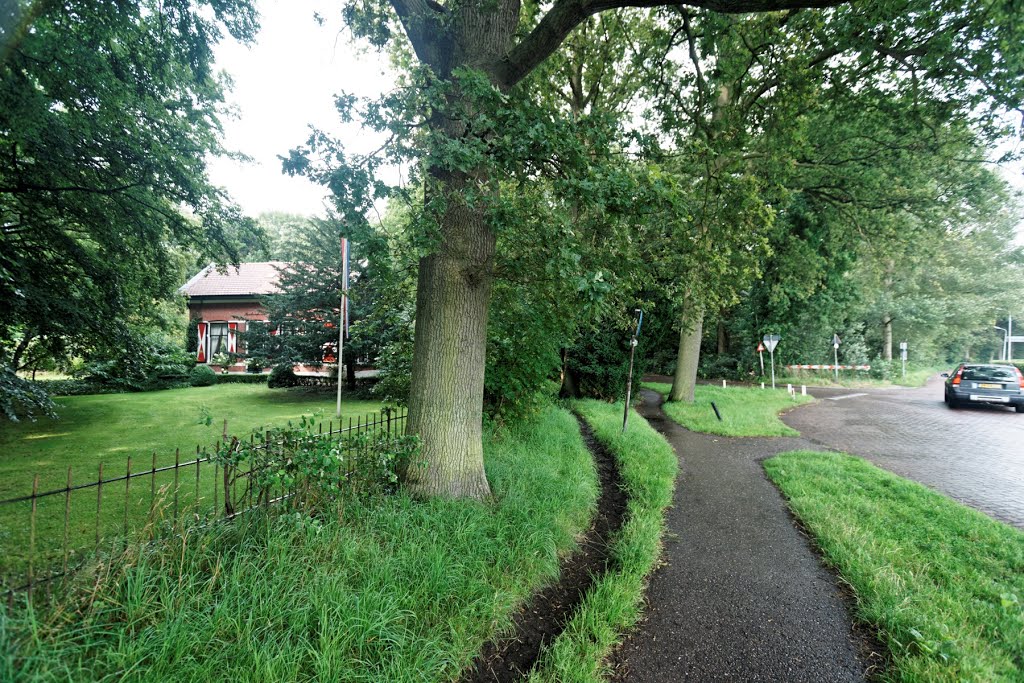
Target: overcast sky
<point>283,84</point>
<point>287,82</point>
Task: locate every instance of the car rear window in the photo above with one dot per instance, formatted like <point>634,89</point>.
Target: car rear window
<point>991,374</point>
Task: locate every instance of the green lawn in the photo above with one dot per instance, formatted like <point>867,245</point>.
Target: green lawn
<point>943,584</point>
<point>109,429</point>
<point>745,411</point>
<point>390,590</point>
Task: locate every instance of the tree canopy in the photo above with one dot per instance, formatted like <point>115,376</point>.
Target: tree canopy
<point>108,112</point>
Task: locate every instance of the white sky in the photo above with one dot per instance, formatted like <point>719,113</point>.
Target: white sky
<point>287,82</point>
<point>283,84</point>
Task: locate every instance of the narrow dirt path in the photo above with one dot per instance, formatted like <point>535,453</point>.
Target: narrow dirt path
<point>741,596</point>
<point>512,658</point>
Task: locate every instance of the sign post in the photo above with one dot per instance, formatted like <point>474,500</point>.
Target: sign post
<point>760,354</point>
<point>770,341</point>
<point>835,351</point>
<point>629,381</point>
<point>903,357</point>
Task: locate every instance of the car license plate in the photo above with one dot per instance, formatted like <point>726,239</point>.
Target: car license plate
<point>990,386</point>
<point>990,399</point>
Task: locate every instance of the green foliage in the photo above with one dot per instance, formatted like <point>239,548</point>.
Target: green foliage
<point>143,363</point>
<point>312,470</point>
<point>281,377</point>
<point>939,582</point>
<point>21,398</point>
<point>108,112</point>
<point>73,387</point>
<point>350,595</point>
<point>599,363</point>
<point>202,376</point>
<point>257,378</point>
<point>648,467</point>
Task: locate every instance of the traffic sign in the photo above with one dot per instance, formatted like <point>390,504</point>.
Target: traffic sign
<point>835,340</point>
<point>770,341</point>
<point>903,346</point>
<point>760,347</point>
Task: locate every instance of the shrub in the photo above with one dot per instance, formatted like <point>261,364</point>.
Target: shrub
<point>600,364</point>
<point>282,376</point>
<point>73,387</point>
<point>141,362</point>
<point>202,376</point>
<point>313,470</point>
<point>242,379</point>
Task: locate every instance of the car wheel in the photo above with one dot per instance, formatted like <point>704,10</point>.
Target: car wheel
<point>1019,409</point>
<point>952,402</point>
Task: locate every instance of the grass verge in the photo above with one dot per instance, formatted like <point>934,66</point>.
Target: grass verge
<point>648,467</point>
<point>745,411</point>
<point>107,429</point>
<point>943,584</point>
<point>396,590</point>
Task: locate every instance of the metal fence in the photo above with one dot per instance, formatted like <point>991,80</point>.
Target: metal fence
<point>47,534</point>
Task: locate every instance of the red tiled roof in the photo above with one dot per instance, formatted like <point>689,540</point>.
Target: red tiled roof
<point>247,279</point>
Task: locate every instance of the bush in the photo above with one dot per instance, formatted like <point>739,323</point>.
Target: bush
<point>72,387</point>
<point>242,379</point>
<point>140,362</point>
<point>282,377</point>
<point>202,376</point>
<point>599,364</point>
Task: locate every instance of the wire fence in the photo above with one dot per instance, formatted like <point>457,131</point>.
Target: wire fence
<point>49,533</point>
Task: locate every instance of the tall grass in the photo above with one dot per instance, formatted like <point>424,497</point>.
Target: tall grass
<point>943,584</point>
<point>396,590</point>
<point>744,411</point>
<point>648,466</point>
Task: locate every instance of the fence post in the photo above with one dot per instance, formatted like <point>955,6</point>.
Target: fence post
<point>32,537</point>
<point>67,520</point>
<point>127,485</point>
<point>152,493</point>
<point>177,464</point>
<point>99,503</point>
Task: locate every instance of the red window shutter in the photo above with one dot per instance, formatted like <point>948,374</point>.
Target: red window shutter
<point>201,329</point>
<point>232,337</point>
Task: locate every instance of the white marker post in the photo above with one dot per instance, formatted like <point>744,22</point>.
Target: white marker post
<point>770,341</point>
<point>835,351</point>
<point>903,356</point>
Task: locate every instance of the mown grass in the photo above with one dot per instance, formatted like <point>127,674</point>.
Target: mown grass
<point>917,376</point>
<point>648,467</point>
<point>745,411</point>
<point>107,429</point>
<point>943,584</point>
<point>396,590</point>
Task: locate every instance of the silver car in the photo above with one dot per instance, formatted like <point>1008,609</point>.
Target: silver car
<point>991,384</point>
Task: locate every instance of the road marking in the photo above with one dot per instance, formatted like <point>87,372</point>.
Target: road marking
<point>840,398</point>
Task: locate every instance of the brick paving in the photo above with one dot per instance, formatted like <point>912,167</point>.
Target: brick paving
<point>974,455</point>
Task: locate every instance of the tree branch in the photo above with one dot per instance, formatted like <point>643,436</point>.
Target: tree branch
<point>565,15</point>
<point>421,20</point>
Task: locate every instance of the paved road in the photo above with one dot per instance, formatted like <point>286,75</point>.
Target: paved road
<point>974,455</point>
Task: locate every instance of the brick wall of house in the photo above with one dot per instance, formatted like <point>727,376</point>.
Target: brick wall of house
<point>226,311</point>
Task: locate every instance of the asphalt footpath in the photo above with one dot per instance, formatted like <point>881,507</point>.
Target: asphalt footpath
<point>741,594</point>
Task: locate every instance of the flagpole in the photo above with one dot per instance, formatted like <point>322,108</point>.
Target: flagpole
<point>341,320</point>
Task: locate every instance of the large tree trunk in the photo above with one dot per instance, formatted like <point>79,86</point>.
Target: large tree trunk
<point>454,283</point>
<point>688,357</point>
<point>446,394</point>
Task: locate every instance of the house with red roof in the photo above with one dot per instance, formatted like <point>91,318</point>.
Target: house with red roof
<point>223,301</point>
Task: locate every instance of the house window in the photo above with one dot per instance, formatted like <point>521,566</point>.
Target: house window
<point>218,338</point>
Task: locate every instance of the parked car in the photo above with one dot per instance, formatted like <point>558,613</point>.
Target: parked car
<point>992,384</point>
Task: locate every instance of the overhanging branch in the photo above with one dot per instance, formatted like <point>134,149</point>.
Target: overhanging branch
<point>565,15</point>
